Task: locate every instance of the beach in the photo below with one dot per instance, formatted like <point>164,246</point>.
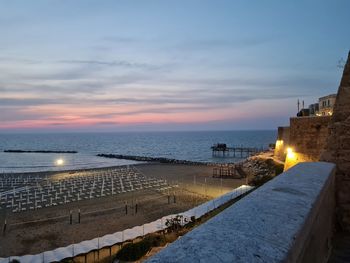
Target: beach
<point>39,230</point>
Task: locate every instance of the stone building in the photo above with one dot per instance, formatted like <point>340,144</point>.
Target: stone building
<point>326,105</point>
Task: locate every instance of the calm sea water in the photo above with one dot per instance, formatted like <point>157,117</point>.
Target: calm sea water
<point>194,146</point>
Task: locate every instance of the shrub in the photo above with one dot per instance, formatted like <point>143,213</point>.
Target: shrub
<point>260,180</point>
<point>279,168</point>
<point>135,251</point>
<point>132,252</point>
<point>174,224</point>
<point>190,223</point>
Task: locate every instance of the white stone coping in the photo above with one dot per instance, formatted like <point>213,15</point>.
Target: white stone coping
<point>261,227</point>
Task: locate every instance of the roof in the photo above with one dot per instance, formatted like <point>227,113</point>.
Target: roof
<point>328,96</point>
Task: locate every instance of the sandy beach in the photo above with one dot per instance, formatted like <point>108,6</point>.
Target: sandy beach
<point>48,228</point>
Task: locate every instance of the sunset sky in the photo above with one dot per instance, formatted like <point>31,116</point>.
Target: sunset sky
<point>166,65</point>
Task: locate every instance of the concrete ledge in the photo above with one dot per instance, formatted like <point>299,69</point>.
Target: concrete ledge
<point>289,219</point>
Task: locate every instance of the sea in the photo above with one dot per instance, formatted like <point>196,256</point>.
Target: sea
<point>192,146</point>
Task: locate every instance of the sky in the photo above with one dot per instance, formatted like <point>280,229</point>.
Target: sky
<point>166,65</point>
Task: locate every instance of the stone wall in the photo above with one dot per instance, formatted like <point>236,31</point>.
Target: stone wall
<point>288,219</point>
<point>307,139</point>
<point>282,143</point>
<point>338,147</point>
<point>308,135</point>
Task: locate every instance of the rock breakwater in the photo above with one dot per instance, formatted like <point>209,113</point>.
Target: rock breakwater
<point>153,159</point>
<point>37,151</point>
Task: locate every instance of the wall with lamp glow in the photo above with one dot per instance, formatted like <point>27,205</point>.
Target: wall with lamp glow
<point>293,158</point>
<point>281,143</point>
<point>303,141</point>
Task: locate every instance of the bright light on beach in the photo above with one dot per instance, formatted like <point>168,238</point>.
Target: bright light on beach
<point>59,162</point>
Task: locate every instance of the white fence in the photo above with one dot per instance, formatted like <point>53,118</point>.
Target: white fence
<point>85,247</point>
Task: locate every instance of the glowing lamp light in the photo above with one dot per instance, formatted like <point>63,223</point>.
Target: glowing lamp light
<point>290,153</point>
<point>292,158</point>
<point>59,162</point>
<point>279,142</point>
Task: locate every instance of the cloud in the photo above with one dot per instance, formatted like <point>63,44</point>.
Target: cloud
<point>227,43</point>
<point>107,123</point>
<point>135,89</point>
<point>15,113</point>
<point>121,39</point>
<point>112,63</point>
<point>115,92</point>
<point>159,110</point>
<point>17,102</point>
<point>64,83</point>
<point>71,69</point>
<point>27,61</point>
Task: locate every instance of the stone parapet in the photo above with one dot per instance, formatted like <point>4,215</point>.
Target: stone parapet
<point>289,219</point>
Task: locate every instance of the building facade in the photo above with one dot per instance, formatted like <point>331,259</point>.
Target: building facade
<point>326,105</point>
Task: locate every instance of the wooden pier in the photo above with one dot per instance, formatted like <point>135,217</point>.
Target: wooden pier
<point>222,150</point>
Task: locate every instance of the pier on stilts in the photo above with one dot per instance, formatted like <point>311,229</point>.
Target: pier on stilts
<point>222,150</point>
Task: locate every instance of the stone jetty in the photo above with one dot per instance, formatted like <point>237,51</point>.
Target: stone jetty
<point>37,151</point>
<point>153,159</point>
